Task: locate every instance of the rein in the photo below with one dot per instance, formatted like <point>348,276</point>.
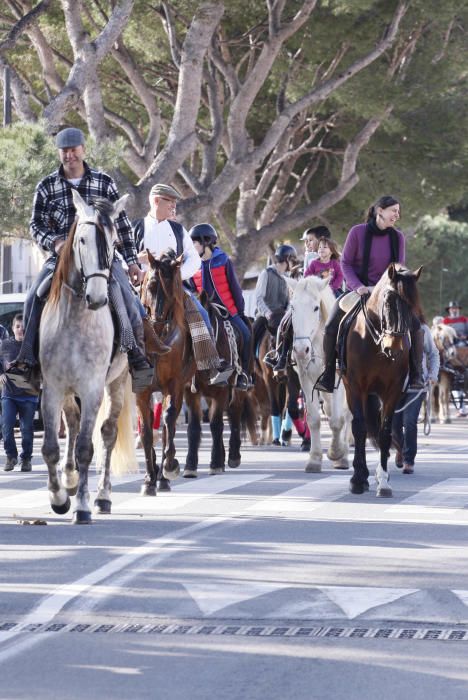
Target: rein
<point>376,335</point>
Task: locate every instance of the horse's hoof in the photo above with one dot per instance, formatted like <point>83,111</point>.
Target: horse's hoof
<point>216,470</point>
<point>384,492</point>
<point>164,485</point>
<point>189,473</point>
<point>81,517</point>
<point>234,463</point>
<point>72,490</point>
<point>341,465</point>
<point>61,510</point>
<point>358,489</point>
<point>102,506</point>
<point>313,468</point>
<point>171,473</point>
<point>148,490</point>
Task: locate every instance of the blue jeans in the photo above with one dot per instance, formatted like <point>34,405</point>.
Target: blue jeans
<point>25,410</point>
<point>246,335</point>
<point>405,427</point>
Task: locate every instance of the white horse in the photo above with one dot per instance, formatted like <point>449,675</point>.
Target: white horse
<point>445,338</point>
<point>311,304</point>
<point>76,342</point>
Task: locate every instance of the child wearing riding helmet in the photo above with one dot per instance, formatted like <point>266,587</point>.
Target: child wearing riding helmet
<point>327,265</point>
<point>218,279</point>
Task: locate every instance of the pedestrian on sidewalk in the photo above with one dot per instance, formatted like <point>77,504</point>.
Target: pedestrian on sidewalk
<point>16,402</point>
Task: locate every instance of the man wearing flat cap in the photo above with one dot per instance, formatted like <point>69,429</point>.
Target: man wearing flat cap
<point>52,217</point>
<point>457,320</point>
<point>158,232</point>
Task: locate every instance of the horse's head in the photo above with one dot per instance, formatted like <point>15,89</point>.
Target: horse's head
<point>93,242</point>
<point>310,304</point>
<point>162,288</point>
<point>397,301</point>
<point>445,340</point>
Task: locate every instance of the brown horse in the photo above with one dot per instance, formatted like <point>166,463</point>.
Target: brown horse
<point>377,359</point>
<point>451,386</point>
<point>162,294</point>
<point>221,399</point>
<point>282,395</point>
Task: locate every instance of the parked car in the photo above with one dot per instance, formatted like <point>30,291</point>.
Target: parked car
<point>10,305</point>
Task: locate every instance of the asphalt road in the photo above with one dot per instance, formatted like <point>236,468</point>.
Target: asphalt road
<point>262,582</point>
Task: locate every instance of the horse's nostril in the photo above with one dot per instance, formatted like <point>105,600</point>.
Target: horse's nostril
<point>307,350</point>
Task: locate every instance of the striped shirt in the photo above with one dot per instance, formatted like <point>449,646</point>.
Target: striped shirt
<point>54,212</point>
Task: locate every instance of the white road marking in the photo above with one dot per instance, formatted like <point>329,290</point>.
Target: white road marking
<point>355,600</point>
<point>160,548</point>
<point>188,492</point>
<point>445,497</point>
<point>212,597</point>
<point>39,498</point>
<point>305,498</point>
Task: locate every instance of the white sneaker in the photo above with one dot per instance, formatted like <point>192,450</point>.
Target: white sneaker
<point>462,413</point>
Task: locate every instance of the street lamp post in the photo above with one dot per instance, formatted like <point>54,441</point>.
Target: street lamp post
<point>442,270</point>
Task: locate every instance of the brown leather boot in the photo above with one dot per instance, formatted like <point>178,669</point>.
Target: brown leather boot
<point>153,344</point>
<point>326,381</point>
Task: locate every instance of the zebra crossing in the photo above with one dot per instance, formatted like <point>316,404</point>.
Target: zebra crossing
<point>259,544</point>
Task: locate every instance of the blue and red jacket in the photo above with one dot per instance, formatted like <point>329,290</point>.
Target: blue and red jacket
<point>219,280</point>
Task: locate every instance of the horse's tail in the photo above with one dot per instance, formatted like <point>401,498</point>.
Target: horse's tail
<point>123,459</point>
<point>373,418</point>
<point>249,420</point>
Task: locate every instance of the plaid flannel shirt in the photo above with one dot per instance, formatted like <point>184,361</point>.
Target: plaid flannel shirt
<point>54,212</point>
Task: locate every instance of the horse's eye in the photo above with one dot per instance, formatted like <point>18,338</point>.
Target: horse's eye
<point>316,308</point>
<point>82,240</point>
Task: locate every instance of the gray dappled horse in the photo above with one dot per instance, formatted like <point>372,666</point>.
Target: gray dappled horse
<point>76,343</point>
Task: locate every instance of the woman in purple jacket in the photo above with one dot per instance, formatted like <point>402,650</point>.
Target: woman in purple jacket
<point>368,251</point>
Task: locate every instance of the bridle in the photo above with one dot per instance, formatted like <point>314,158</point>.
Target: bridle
<point>376,334</point>
<point>105,274</point>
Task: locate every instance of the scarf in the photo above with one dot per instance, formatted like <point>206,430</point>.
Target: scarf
<point>373,230</point>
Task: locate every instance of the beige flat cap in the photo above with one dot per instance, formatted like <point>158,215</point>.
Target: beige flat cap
<point>164,191</point>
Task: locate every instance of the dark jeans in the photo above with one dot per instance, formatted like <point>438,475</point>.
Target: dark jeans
<point>405,426</point>
<point>244,331</point>
<point>25,410</point>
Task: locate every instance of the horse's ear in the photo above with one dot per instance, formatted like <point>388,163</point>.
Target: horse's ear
<point>292,284</point>
<point>418,272</point>
<point>151,259</point>
<point>119,205</point>
<point>391,270</point>
<point>80,204</point>
<point>180,259</point>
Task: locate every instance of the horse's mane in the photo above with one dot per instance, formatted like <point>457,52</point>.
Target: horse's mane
<point>64,264</point>
<point>176,294</point>
<point>104,208</point>
<point>445,330</point>
<point>397,297</point>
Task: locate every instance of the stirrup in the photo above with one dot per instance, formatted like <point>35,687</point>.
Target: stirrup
<point>270,358</point>
<point>141,378</point>
<point>222,376</point>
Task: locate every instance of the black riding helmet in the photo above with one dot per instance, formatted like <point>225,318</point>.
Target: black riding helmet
<point>285,252</point>
<point>205,233</point>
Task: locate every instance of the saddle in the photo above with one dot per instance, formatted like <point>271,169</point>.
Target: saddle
<point>351,304</point>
